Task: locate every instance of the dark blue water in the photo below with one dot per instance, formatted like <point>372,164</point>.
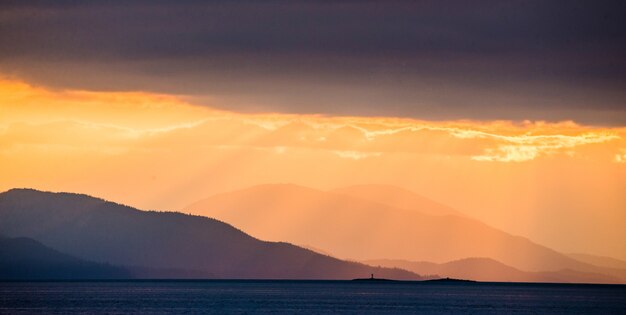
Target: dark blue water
<point>254,297</point>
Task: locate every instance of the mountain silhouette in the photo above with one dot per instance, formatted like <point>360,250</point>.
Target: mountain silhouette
<point>397,197</point>
<point>361,229</point>
<point>486,269</point>
<point>105,232</point>
<point>26,259</point>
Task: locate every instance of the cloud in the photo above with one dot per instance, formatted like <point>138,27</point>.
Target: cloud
<point>137,120</point>
<point>356,155</point>
<point>429,59</point>
<point>528,147</point>
<point>621,156</point>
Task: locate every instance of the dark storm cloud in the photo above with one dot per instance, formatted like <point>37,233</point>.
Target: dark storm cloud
<point>428,59</point>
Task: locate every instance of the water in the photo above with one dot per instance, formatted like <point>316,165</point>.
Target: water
<point>276,297</point>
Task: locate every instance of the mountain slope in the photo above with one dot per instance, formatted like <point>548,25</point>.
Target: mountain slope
<point>26,259</point>
<point>101,231</point>
<point>601,261</point>
<point>486,269</point>
<point>397,197</point>
<point>364,230</point>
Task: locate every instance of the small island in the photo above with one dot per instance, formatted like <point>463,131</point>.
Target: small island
<point>371,278</point>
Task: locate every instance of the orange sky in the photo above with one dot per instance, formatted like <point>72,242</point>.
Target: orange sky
<point>560,184</point>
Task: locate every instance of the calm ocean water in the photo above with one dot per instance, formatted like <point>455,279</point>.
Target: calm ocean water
<point>254,297</point>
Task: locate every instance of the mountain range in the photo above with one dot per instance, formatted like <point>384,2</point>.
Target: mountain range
<point>101,232</point>
<point>362,224</point>
<point>46,235</point>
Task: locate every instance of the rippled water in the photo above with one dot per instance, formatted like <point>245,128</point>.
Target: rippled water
<point>253,297</point>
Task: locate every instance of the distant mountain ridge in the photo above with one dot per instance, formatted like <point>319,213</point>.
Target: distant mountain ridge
<point>360,229</point>
<point>486,269</point>
<point>105,232</point>
<point>602,261</point>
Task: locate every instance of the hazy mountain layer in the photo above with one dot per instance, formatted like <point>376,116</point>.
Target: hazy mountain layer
<point>601,261</point>
<point>397,197</point>
<point>360,229</point>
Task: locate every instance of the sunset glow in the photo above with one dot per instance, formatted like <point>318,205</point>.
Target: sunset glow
<point>537,179</point>
<point>310,157</point>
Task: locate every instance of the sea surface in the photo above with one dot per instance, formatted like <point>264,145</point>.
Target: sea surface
<point>308,297</point>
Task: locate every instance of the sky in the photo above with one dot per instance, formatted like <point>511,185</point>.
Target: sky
<point>513,113</point>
